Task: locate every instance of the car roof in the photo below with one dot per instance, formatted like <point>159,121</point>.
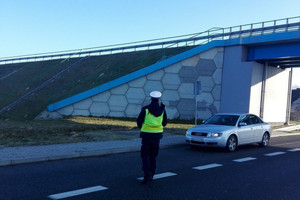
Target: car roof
<point>239,114</point>
<point>236,114</point>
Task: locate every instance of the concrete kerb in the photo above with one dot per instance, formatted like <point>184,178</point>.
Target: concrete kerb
<point>80,150</point>
<point>130,146</point>
<point>282,134</point>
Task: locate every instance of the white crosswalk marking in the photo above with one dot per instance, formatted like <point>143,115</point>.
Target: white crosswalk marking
<point>294,150</point>
<point>203,167</point>
<point>275,153</point>
<point>77,192</point>
<point>162,175</point>
<point>244,159</point>
<point>159,176</point>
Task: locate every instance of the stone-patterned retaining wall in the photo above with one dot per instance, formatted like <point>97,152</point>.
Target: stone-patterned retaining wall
<point>176,82</point>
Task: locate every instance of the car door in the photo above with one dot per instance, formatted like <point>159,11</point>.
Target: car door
<point>258,129</point>
<point>245,130</point>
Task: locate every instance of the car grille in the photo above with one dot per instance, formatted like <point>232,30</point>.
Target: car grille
<point>199,134</point>
<point>196,142</point>
<point>205,143</point>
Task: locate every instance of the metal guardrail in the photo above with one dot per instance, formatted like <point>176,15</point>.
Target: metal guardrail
<point>254,29</point>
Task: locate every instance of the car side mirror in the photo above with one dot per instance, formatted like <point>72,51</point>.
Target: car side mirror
<point>242,124</point>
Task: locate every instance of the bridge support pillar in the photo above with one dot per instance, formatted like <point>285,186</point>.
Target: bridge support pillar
<point>289,98</point>
<point>263,90</point>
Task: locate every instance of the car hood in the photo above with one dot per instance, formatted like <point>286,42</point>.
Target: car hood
<point>210,128</point>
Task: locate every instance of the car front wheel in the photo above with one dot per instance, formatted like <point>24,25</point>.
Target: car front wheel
<point>265,140</point>
<point>231,143</point>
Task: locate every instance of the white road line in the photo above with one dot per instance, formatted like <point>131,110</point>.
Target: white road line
<point>244,159</point>
<point>162,175</point>
<point>203,167</point>
<point>294,150</point>
<point>77,192</point>
<point>275,153</point>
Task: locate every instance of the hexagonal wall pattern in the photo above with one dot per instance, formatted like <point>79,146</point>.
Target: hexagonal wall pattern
<point>153,85</point>
<point>122,89</point>
<point>206,67</point>
<point>102,97</point>
<point>140,82</point>
<point>172,112</point>
<point>175,68</point>
<point>213,109</point>
<point>135,95</point>
<point>156,76</point>
<point>83,105</point>
<point>116,114</point>
<point>79,112</point>
<point>170,95</point>
<point>66,110</point>
<point>217,92</point>
<point>204,114</point>
<point>99,109</point>
<point>133,110</point>
<point>191,61</point>
<point>218,76</point>
<point>176,82</point>
<point>207,83</point>
<point>205,97</point>
<point>170,98</point>
<point>171,81</point>
<point>186,108</point>
<point>117,103</point>
<point>218,59</point>
<point>210,54</point>
<point>217,105</point>
<point>188,74</point>
<point>147,101</point>
<point>186,90</point>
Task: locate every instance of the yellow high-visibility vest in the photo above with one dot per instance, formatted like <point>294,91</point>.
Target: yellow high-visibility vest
<point>152,124</point>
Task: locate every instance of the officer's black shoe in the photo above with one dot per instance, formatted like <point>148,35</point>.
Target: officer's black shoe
<point>146,180</point>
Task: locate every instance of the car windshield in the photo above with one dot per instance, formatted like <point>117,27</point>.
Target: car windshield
<point>227,120</point>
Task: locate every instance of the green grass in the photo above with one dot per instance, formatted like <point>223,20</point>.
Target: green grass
<point>92,72</point>
<point>77,129</point>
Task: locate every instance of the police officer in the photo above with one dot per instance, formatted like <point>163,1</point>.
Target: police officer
<point>151,121</point>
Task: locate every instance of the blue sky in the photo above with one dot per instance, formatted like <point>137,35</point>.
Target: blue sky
<point>38,26</point>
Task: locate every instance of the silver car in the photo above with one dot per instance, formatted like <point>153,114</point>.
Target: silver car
<point>230,130</point>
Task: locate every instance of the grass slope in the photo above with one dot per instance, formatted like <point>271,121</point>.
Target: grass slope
<point>18,79</point>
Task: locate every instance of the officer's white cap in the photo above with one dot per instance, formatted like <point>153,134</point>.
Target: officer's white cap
<point>155,94</point>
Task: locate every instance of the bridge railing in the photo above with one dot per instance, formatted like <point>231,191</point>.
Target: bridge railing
<point>254,29</point>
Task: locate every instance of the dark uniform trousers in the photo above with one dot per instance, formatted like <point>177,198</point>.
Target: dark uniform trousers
<point>149,152</point>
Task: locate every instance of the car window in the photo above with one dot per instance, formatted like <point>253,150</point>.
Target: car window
<point>255,119</point>
<point>246,119</point>
<point>251,119</point>
<point>228,120</point>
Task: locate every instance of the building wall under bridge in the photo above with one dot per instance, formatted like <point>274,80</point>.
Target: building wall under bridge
<point>276,95</point>
<point>244,88</point>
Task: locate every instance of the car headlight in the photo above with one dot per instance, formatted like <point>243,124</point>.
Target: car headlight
<point>188,133</point>
<point>215,135</point>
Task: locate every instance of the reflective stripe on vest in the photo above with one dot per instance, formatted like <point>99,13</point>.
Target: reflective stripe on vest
<point>152,124</point>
